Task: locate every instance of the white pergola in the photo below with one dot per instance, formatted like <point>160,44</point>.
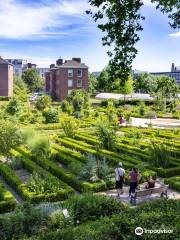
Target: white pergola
<point>117,96</point>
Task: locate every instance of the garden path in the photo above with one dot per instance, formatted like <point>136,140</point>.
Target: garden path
<point>172,194</point>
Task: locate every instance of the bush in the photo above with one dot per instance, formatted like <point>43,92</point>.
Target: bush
<point>13,107</point>
<point>69,126</point>
<point>43,102</point>
<point>90,207</point>
<point>51,115</point>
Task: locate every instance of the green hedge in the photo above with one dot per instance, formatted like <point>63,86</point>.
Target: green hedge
<point>7,201</point>
<point>66,176</point>
<point>89,149</point>
<point>169,172</point>
<point>173,182</point>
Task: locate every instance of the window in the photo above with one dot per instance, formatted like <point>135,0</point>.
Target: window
<point>69,92</point>
<point>79,73</point>
<point>79,83</point>
<point>70,72</point>
<point>70,83</point>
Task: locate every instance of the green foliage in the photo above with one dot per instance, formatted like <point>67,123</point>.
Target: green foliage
<point>106,134</point>
<point>40,184</point>
<point>79,100</point>
<point>69,126</point>
<point>65,106</point>
<point>103,81</point>
<point>10,137</point>
<point>92,83</point>
<point>43,102</point>
<point>91,207</point>
<point>33,80</point>
<point>159,155</point>
<point>51,115</point>
<point>145,83</point>
<point>13,107</point>
<point>121,31</point>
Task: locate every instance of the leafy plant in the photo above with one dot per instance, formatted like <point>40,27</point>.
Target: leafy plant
<point>43,102</point>
<point>160,155</point>
<point>51,115</point>
<point>69,126</point>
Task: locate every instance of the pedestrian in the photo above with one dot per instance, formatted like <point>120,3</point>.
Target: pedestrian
<point>133,178</point>
<point>119,177</point>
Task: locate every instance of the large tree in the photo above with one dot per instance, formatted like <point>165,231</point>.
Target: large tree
<point>120,21</point>
<point>145,83</point>
<point>32,79</point>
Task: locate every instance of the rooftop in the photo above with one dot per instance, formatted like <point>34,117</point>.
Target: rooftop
<point>2,61</point>
<point>73,63</point>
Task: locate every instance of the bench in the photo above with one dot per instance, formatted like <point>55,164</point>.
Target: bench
<point>146,192</point>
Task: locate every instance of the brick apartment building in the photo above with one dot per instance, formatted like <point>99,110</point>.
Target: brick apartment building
<point>65,76</point>
<point>6,78</point>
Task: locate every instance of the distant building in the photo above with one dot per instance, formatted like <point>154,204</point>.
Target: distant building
<point>66,76</point>
<point>96,74</point>
<point>19,65</point>
<point>6,78</point>
<point>175,73</point>
<point>42,72</point>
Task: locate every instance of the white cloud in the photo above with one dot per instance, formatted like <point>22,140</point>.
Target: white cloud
<point>176,34</point>
<point>21,21</point>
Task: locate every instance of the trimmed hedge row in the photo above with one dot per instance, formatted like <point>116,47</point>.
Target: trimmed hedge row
<point>64,175</point>
<point>88,149</point>
<point>15,182</point>
<point>106,153</point>
<point>173,182</point>
<point>7,202</point>
<point>62,194</point>
<point>68,153</point>
<point>169,172</point>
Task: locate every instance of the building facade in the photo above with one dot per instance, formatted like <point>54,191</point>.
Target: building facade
<point>66,76</point>
<point>6,78</point>
<point>174,73</point>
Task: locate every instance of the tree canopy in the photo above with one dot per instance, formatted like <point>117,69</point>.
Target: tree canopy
<point>120,21</point>
<point>32,79</point>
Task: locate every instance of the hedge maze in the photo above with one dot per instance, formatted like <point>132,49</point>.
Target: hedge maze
<point>69,155</point>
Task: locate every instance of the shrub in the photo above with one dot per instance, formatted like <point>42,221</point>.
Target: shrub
<point>159,155</point>
<point>65,106</point>
<point>51,115</point>
<point>43,102</point>
<point>69,126</point>
<point>106,135</point>
<point>13,107</point>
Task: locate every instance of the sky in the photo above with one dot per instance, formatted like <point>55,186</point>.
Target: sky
<point>41,31</point>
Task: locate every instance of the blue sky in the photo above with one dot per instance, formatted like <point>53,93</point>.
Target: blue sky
<point>44,30</point>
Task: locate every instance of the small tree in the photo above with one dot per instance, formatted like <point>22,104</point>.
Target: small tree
<point>51,115</point>
<point>10,137</point>
<point>127,88</point>
<point>92,83</point>
<point>43,102</point>
<point>70,126</point>
<point>106,134</point>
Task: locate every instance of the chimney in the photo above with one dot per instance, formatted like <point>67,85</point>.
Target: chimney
<point>172,68</point>
<point>52,65</point>
<point>77,60</point>
<point>59,62</point>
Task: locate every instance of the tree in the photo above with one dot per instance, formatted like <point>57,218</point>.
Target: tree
<point>166,88</point>
<point>120,21</point>
<point>33,80</point>
<point>145,83</point>
<point>127,88</point>
<point>103,81</point>
<point>79,100</point>
<point>10,137</point>
<point>43,102</point>
<point>92,83</point>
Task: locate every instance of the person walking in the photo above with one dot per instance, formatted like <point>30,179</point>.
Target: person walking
<point>133,178</point>
<point>119,177</point>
